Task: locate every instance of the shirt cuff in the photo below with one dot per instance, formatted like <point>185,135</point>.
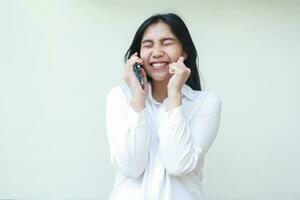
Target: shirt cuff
<point>172,117</point>
<point>137,119</point>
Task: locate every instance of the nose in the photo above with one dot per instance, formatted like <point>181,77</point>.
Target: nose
<point>157,52</point>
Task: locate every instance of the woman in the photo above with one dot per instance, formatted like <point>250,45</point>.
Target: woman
<point>158,135</point>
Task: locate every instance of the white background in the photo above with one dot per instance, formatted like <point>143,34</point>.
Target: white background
<point>59,59</point>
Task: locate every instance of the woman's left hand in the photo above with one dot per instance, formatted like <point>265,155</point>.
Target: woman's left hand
<point>180,74</point>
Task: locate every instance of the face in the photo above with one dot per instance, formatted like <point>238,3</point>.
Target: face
<point>159,48</point>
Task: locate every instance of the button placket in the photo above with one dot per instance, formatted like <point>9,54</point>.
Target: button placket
<point>158,172</point>
<point>158,178</point>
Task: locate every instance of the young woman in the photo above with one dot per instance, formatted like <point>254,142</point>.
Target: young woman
<point>158,135</point>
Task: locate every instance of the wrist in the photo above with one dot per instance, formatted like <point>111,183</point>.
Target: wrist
<point>138,103</point>
<point>174,101</point>
<point>174,94</point>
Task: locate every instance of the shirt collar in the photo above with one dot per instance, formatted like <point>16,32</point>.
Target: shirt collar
<point>188,92</point>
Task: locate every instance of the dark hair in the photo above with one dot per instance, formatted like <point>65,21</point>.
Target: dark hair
<point>180,30</point>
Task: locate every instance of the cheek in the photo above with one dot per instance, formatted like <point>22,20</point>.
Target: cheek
<point>174,53</point>
<point>144,54</point>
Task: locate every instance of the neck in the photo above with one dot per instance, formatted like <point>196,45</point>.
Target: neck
<point>159,90</point>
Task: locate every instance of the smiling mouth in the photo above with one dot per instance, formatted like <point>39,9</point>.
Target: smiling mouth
<point>159,64</point>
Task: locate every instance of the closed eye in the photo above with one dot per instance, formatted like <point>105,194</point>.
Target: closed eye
<point>147,45</point>
<point>168,41</point>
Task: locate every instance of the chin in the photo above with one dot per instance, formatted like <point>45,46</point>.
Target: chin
<point>161,78</point>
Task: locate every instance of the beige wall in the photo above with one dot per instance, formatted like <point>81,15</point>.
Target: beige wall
<point>58,59</point>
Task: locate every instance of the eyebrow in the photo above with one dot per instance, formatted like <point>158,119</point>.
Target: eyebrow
<point>151,41</point>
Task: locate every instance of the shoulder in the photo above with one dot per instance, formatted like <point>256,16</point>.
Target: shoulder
<point>203,101</point>
<point>120,91</point>
<point>207,100</point>
<point>211,96</point>
<point>204,96</point>
<point>209,103</point>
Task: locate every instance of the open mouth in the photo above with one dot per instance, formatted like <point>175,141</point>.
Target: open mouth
<point>159,64</point>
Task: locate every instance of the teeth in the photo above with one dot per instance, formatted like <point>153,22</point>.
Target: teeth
<point>158,64</point>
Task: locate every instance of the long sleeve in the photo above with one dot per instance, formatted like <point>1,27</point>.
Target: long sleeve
<point>183,143</point>
<point>128,135</point>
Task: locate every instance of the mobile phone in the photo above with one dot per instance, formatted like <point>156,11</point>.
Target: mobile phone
<point>138,73</point>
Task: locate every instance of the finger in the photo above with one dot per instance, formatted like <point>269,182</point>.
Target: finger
<point>140,61</point>
<point>177,67</point>
<point>135,54</point>
<point>135,59</point>
<point>131,62</point>
<point>181,59</point>
<point>172,68</point>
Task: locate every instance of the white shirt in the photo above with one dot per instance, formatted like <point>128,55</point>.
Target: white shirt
<point>159,154</point>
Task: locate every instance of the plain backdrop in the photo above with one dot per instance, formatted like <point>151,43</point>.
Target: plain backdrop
<point>59,59</point>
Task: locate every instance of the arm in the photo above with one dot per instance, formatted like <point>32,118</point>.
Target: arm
<point>127,135</point>
<point>182,144</point>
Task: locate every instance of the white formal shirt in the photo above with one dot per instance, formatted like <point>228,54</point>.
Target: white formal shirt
<point>159,154</point>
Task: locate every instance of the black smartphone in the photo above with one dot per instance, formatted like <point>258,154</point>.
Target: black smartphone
<point>138,73</point>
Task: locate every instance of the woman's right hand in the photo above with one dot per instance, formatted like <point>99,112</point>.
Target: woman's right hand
<point>138,93</point>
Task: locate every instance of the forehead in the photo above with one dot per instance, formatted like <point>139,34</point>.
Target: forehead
<point>157,31</point>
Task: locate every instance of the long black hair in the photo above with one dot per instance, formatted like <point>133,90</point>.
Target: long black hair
<point>180,30</point>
